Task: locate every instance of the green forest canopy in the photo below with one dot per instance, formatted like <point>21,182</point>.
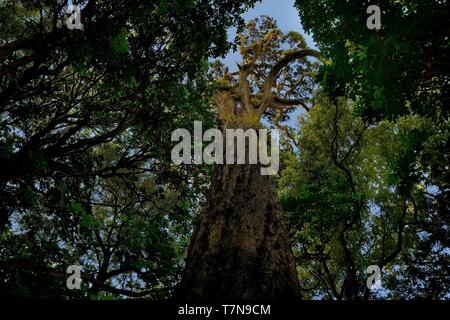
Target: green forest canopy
<point>86,117</point>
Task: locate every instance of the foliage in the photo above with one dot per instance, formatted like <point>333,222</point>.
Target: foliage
<point>388,72</point>
<point>348,207</point>
<point>86,119</point>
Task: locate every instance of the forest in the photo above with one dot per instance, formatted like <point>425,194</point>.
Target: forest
<point>94,207</point>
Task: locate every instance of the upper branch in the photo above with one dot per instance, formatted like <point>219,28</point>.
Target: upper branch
<point>274,73</point>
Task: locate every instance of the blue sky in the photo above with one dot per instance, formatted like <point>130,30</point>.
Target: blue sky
<point>283,11</point>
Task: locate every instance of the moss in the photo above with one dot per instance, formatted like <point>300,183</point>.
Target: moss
<point>232,116</point>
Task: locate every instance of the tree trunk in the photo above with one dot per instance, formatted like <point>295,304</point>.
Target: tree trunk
<point>239,249</point>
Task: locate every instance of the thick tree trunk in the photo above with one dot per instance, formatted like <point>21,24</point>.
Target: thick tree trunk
<point>239,248</point>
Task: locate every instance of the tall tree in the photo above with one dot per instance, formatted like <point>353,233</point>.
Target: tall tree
<point>240,248</point>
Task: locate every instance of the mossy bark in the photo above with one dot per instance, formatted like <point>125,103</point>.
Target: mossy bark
<point>239,249</point>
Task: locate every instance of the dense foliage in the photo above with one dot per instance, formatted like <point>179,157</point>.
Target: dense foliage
<point>401,68</point>
<point>348,208</point>
<point>370,183</point>
<point>86,117</point>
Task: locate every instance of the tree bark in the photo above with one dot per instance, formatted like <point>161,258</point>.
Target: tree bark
<point>239,249</point>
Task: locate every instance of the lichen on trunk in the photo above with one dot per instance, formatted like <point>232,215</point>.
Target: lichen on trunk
<point>239,248</point>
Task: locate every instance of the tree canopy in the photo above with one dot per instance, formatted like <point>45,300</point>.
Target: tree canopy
<point>86,117</point>
<point>86,176</point>
<point>348,208</point>
<point>389,72</point>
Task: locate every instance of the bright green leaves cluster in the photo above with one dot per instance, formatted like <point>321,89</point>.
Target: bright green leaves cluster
<point>397,80</point>
<point>363,184</point>
<point>85,130</point>
<point>119,43</point>
<point>383,69</point>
